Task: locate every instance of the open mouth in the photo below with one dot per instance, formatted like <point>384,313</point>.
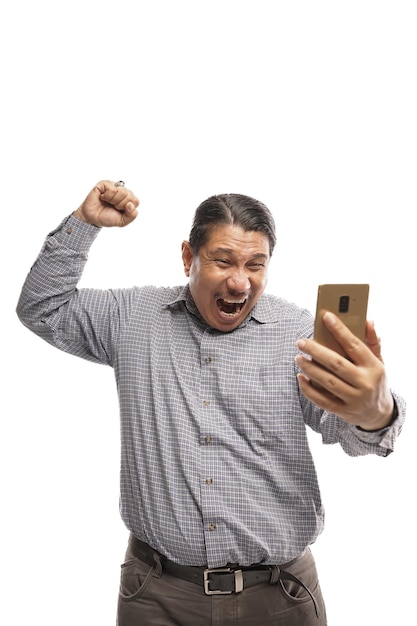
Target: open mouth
<point>230,307</point>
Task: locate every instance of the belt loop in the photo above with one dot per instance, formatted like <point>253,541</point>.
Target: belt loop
<point>238,581</point>
<point>157,573</point>
<point>275,572</point>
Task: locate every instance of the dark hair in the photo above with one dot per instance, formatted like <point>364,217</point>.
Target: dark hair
<point>231,208</point>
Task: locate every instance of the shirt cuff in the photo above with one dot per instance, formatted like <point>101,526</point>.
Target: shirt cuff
<point>370,436</point>
<point>75,234</point>
<point>385,437</point>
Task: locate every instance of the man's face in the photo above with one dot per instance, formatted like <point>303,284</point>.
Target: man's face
<point>228,274</point>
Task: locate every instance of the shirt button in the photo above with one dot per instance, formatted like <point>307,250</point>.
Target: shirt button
<point>209,481</point>
<point>212,527</point>
<point>208,439</point>
<point>206,402</point>
<point>208,359</point>
<point>69,230</point>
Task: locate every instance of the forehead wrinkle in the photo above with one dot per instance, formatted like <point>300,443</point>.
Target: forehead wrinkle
<point>222,250</point>
<point>254,255</point>
<point>237,243</point>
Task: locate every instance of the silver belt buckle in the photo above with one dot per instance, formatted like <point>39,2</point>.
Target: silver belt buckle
<point>238,581</point>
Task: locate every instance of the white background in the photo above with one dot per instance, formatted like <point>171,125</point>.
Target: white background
<point>308,106</point>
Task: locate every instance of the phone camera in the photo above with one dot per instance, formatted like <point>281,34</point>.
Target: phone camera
<point>343,304</point>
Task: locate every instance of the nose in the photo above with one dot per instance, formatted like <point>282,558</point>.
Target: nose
<point>238,282</point>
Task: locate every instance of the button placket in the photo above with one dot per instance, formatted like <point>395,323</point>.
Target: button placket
<point>209,459</point>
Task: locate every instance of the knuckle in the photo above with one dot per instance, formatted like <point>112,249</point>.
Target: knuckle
<point>338,364</point>
<point>354,347</point>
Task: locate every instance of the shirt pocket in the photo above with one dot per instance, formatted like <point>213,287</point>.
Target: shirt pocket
<point>263,400</point>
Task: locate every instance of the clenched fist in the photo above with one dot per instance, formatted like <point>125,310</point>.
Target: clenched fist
<point>108,205</point>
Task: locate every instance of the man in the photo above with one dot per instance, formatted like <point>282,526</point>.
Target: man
<point>218,487</point>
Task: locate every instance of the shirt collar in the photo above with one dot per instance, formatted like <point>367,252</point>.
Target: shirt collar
<point>263,312</point>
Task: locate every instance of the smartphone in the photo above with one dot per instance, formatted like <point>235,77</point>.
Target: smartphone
<point>349,303</point>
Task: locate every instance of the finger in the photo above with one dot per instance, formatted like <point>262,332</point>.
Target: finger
<point>322,357</point>
<point>129,214</point>
<point>117,196</point>
<point>373,341</point>
<point>353,347</point>
<point>330,370</point>
<point>105,187</point>
<point>339,399</point>
<point>119,204</point>
<point>324,399</point>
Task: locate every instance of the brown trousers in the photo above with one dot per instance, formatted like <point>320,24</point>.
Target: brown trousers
<point>149,598</point>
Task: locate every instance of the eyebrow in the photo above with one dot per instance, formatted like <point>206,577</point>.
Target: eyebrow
<point>257,255</point>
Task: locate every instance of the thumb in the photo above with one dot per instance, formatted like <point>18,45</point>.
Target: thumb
<point>129,214</point>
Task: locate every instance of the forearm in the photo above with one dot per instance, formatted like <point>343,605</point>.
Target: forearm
<point>53,279</point>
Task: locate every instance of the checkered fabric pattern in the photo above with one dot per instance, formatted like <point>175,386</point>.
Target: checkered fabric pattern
<point>215,462</point>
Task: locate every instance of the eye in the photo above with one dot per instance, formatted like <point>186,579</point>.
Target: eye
<point>222,261</point>
<point>256,266</point>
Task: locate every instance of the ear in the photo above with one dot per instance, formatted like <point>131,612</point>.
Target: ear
<point>187,256</point>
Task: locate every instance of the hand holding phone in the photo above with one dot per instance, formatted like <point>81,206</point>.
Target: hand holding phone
<point>354,387</point>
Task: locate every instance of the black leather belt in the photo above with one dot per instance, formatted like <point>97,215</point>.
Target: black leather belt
<point>221,580</point>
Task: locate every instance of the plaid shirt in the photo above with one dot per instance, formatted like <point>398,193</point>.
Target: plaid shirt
<point>215,461</point>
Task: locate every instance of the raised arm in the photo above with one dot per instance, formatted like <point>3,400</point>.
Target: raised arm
<point>82,322</point>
